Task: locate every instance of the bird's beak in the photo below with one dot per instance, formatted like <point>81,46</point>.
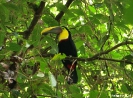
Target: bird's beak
<point>55,30</point>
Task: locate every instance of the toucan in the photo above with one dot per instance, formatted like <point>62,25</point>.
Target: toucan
<point>65,46</point>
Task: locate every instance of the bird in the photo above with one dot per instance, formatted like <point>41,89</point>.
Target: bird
<point>66,46</point>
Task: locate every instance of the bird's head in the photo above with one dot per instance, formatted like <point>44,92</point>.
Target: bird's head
<point>62,32</point>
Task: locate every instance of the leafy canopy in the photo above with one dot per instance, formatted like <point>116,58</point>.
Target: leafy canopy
<point>101,30</point>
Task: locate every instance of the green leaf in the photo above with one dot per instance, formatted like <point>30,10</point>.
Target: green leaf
<point>103,94</point>
<point>124,88</point>
<point>131,74</point>
<point>15,93</point>
<point>128,17</point>
<point>14,47</point>
<point>4,13</point>
<point>94,94</point>
<point>77,95</point>
<point>116,54</point>
<point>116,38</point>
<point>53,44</point>
<point>86,29</point>
<point>11,6</point>
<point>94,20</point>
<point>122,26</point>
<point>77,11</point>
<point>21,79</point>
<point>76,3</point>
<point>50,20</point>
<point>60,78</point>
<point>79,74</point>
<point>4,94</point>
<point>36,36</point>
<point>104,39</point>
<point>102,18</point>
<point>113,94</point>
<point>2,36</point>
<point>70,14</point>
<point>74,89</point>
<point>61,7</point>
<point>58,56</point>
<point>79,44</point>
<point>92,9</point>
<point>43,65</point>
<point>2,54</point>
<point>82,50</point>
<point>129,87</point>
<point>47,89</point>
<point>59,94</point>
<point>126,58</point>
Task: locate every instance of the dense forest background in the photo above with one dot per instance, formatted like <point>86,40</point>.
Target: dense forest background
<point>30,66</point>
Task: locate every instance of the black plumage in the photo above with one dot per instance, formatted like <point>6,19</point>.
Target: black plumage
<point>68,47</point>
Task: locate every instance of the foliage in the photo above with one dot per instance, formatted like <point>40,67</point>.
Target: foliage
<point>101,30</point>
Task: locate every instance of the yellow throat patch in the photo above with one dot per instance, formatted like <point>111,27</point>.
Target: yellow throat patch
<point>63,35</point>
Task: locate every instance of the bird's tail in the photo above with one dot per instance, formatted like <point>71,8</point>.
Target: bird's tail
<point>72,76</point>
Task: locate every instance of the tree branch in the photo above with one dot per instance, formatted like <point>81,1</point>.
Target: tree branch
<point>59,16</point>
<point>111,49</point>
<point>90,59</point>
<point>114,60</point>
<point>97,56</point>
<point>37,15</point>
